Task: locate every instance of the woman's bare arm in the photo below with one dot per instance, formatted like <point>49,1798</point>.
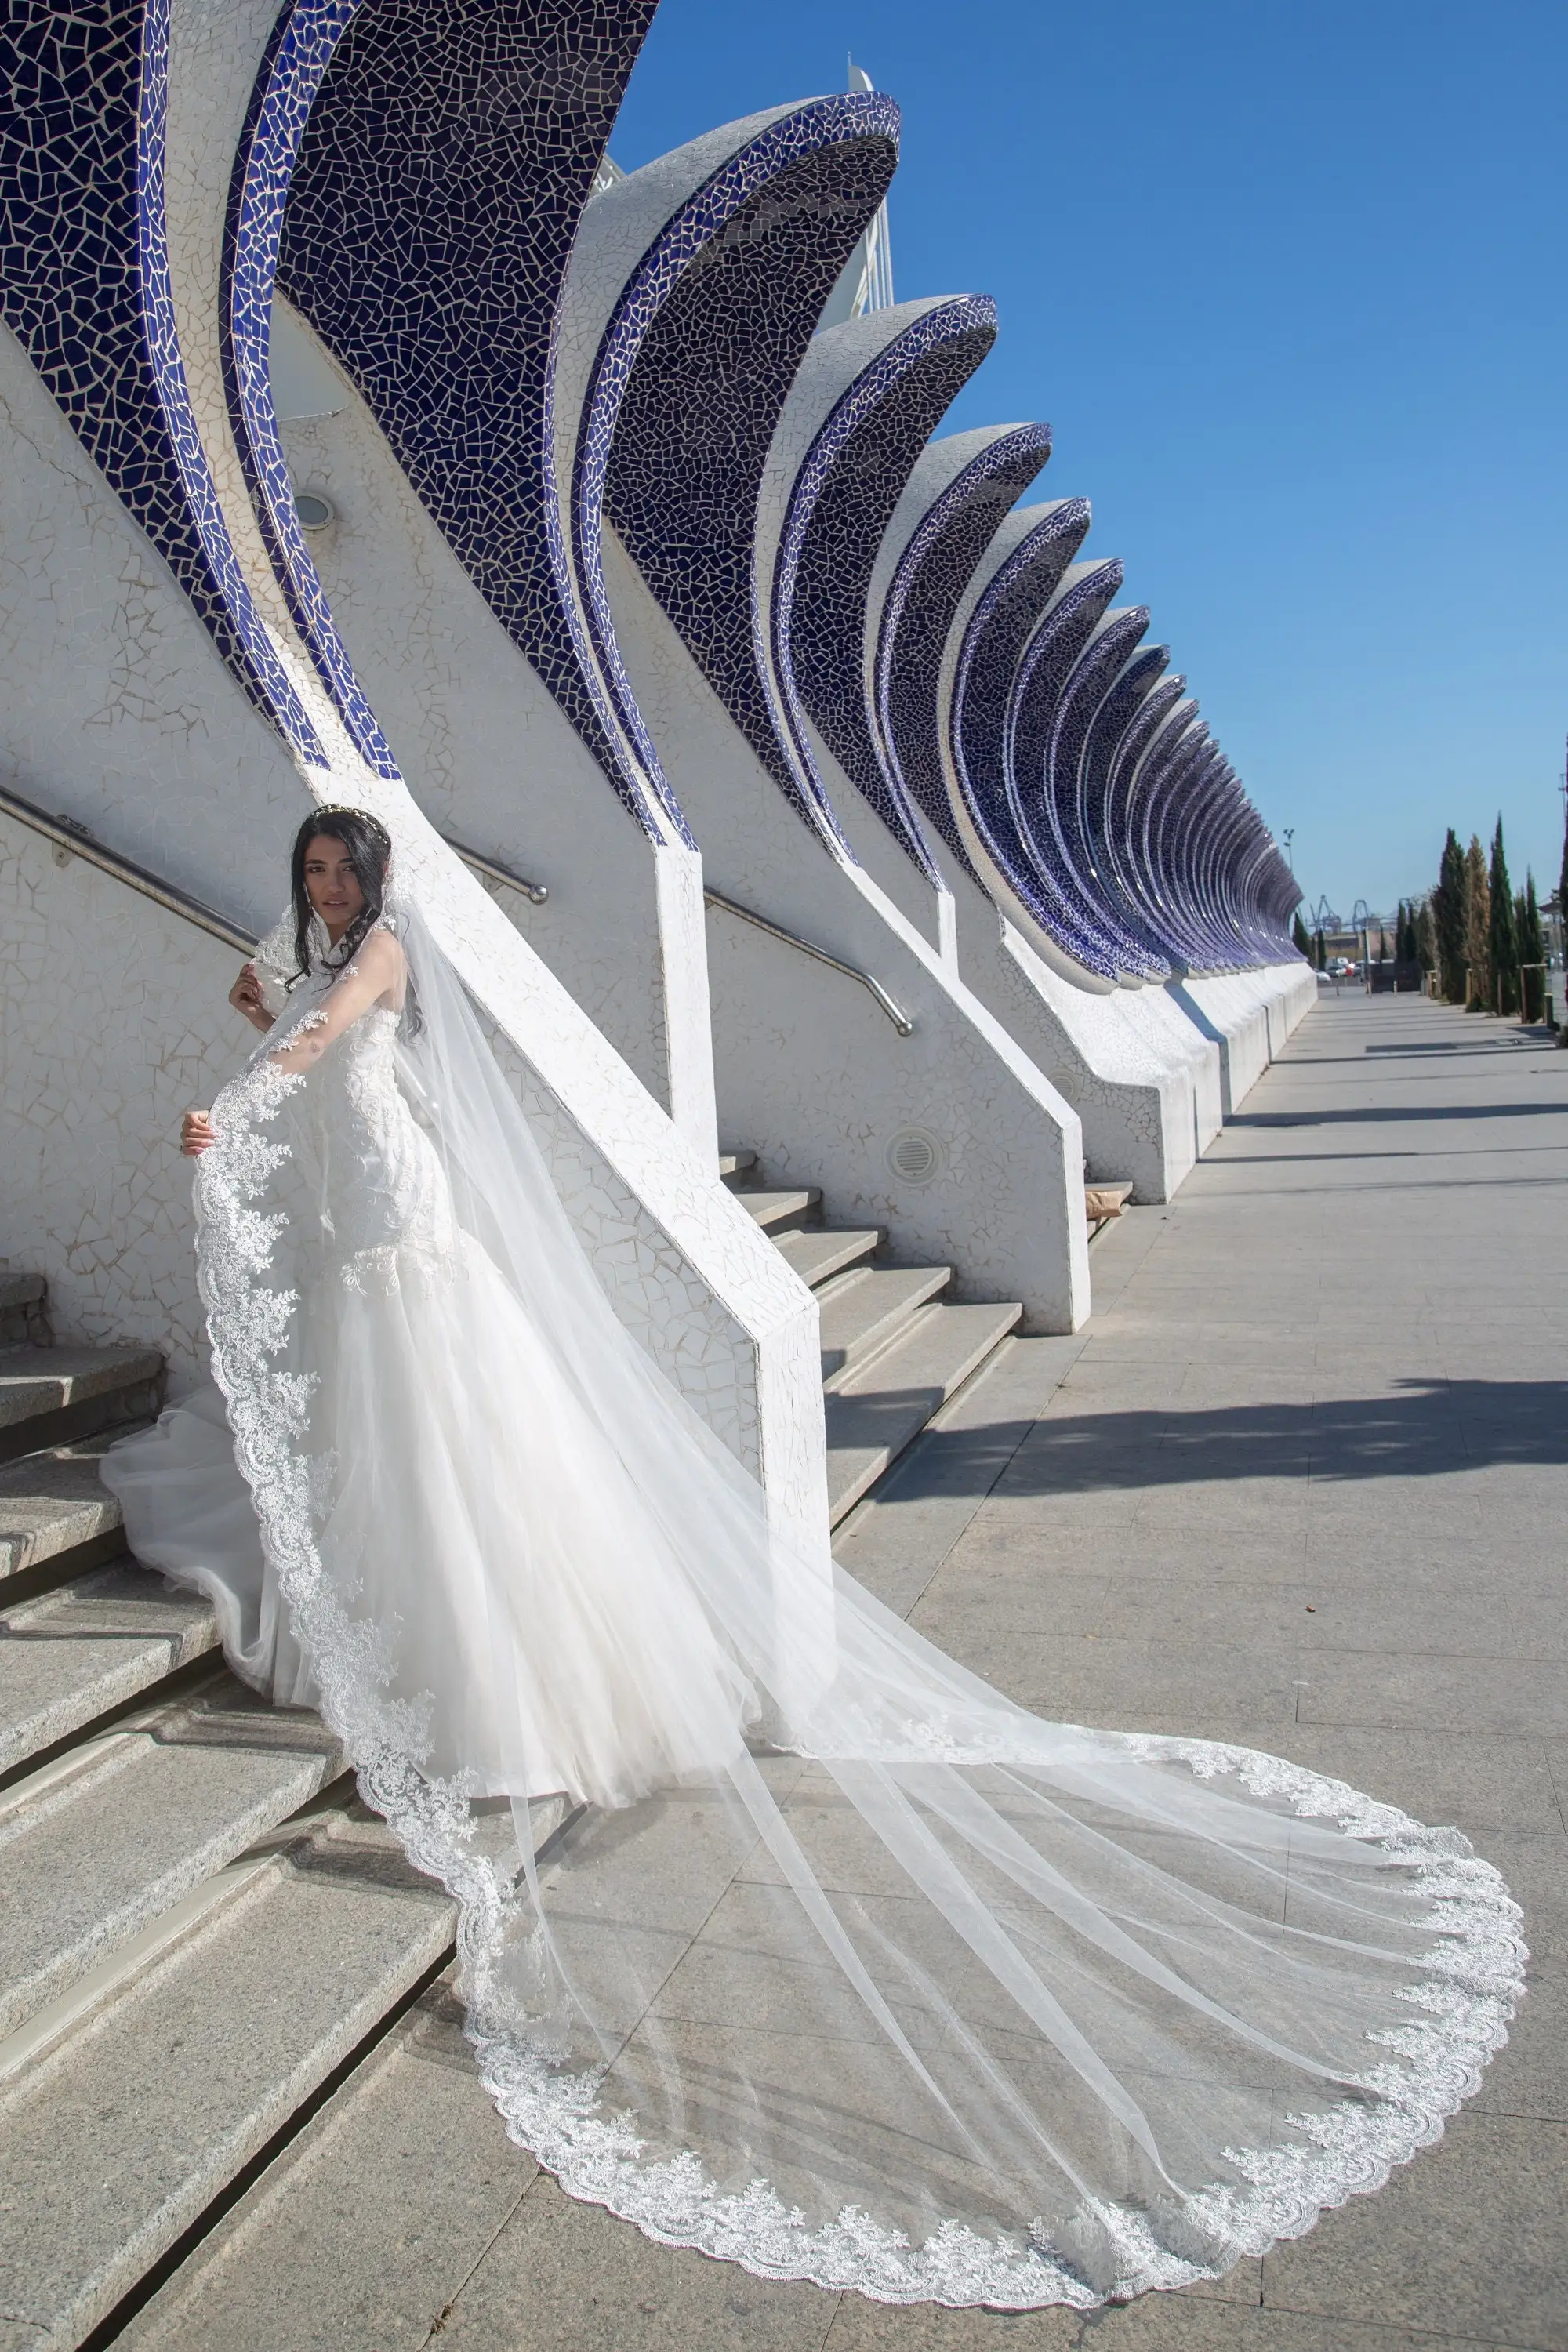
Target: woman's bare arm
<point>377,971</point>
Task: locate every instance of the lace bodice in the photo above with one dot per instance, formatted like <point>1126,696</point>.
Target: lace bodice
<point>383,1189</point>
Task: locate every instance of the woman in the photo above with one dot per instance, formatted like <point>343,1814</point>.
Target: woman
<point>848,1970</point>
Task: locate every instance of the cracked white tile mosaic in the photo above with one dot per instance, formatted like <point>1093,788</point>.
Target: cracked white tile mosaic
<point>116,1022</point>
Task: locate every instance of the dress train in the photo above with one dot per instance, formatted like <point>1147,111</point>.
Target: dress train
<point>848,1970</point>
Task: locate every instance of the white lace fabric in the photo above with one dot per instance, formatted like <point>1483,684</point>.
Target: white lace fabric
<point>862,1975</point>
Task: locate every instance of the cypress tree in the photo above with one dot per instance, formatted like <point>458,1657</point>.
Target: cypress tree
<point>1426,937</point>
<point>1319,950</point>
<point>1477,927</point>
<point>1502,932</point>
<point>1532,950</point>
<point>1298,934</point>
<point>1451,916</point>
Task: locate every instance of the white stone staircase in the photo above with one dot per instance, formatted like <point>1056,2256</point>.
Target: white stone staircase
<point>894,1349</point>
<point>200,1927</point>
<point>202,1931</point>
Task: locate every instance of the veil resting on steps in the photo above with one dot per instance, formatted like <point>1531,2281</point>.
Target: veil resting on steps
<point>845,1967</point>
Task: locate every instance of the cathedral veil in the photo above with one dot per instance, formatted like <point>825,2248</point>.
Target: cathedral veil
<point>845,1967</point>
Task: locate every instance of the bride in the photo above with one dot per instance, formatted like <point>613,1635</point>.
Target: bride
<point>844,1968</point>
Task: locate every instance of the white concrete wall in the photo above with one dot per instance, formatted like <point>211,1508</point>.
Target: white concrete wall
<point>809,1070</point>
<point>1290,991</point>
<point>1249,1015</point>
<point>116,1022</point>
<point>1141,1097</point>
<point>115,707</point>
<point>1233,1016</point>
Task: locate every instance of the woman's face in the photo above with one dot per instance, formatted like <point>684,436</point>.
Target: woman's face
<point>331,884</point>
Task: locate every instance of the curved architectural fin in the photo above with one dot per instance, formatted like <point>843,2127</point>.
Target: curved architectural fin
<point>694,290</point>
<point>951,508</point>
<point>867,396</point>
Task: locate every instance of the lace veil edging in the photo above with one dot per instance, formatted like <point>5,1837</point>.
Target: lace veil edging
<point>976,1803</point>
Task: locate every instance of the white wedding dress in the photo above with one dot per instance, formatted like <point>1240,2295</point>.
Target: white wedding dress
<point>849,1969</point>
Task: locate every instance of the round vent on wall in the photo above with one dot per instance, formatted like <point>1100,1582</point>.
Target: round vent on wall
<point>913,1156</point>
<point>314,511</point>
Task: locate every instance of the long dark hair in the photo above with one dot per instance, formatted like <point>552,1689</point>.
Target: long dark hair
<point>369,846</point>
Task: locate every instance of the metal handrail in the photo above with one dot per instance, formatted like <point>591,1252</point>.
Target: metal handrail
<point>68,834</point>
<point>895,1012</point>
<point>533,891</point>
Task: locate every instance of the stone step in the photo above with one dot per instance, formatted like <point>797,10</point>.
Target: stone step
<point>97,1844</point>
<point>875,1410</point>
<point>52,1504</point>
<point>88,1646</point>
<point>50,1395</point>
<point>124,2116</point>
<point>411,2241</point>
<point>773,1211</point>
<point>866,1308</point>
<point>736,1163</point>
<point>24,1309</point>
<point>817,1253</point>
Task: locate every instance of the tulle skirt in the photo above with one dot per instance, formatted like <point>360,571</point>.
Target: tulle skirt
<point>490,1544</point>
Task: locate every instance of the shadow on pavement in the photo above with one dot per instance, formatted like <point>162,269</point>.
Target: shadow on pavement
<point>1420,1429</point>
<point>1379,1113</point>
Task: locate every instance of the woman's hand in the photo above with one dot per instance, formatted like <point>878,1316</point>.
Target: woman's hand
<point>197,1134</point>
<point>246,998</point>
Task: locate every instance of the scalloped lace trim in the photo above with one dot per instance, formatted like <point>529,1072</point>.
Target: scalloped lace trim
<point>1108,2253</point>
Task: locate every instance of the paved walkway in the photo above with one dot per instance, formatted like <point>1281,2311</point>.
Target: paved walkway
<point>1300,1485</point>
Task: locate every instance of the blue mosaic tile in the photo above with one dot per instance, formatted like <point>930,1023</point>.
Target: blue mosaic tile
<point>692,372</point>
<point>1123,784</point>
<point>922,599</point>
<point>1185,807</point>
<point>1179,774</point>
<point>1217,851</point>
<point>843,499</point>
<point>440,177</point>
<point>1040,675</point>
<point>85,288</point>
<point>1155,746</point>
<point>1062,816</point>
<point>296,60</point>
<point>1108,731</point>
<point>1003,619</point>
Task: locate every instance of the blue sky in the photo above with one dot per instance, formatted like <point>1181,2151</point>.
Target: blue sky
<point>1289,283</point>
